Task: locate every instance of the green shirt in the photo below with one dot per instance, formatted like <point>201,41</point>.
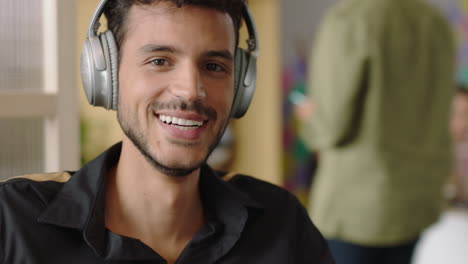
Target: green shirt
<point>382,78</point>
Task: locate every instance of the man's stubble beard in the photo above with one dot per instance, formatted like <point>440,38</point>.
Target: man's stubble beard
<point>141,143</point>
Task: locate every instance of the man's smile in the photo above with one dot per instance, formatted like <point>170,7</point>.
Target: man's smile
<point>181,123</point>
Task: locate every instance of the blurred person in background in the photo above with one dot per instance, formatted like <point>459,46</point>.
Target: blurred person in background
<point>458,189</point>
<point>446,241</point>
<point>377,112</point>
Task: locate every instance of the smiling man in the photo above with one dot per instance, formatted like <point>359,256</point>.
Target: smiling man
<point>173,72</point>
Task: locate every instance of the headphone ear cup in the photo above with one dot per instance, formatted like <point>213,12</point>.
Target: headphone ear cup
<point>99,63</point>
<point>89,62</point>
<point>114,68</point>
<point>245,71</point>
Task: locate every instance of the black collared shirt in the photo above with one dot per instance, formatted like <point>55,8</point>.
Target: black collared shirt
<point>59,219</point>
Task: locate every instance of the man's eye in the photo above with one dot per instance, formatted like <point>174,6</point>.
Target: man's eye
<point>214,67</point>
<point>158,62</point>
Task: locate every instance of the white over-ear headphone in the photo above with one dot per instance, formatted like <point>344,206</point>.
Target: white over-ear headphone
<point>99,66</point>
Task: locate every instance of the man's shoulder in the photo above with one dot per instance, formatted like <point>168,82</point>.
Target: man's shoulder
<point>265,193</point>
<point>38,187</point>
<point>62,177</point>
<point>283,218</point>
<point>246,181</point>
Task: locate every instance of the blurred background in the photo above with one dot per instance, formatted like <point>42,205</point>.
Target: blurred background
<point>47,125</point>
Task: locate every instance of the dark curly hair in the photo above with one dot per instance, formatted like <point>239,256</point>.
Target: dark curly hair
<point>116,12</point>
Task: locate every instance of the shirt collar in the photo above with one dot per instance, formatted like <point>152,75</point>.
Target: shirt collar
<point>80,205</point>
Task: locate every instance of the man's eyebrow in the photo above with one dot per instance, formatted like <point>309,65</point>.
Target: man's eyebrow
<point>225,54</point>
<point>149,48</point>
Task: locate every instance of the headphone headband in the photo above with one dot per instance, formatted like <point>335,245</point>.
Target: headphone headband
<point>94,23</point>
<point>252,41</point>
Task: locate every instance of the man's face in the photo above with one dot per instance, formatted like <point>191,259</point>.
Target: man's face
<point>176,83</point>
<point>459,117</point>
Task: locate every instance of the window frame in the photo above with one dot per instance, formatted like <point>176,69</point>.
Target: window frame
<point>57,102</point>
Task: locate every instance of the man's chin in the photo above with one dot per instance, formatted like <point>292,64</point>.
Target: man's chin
<point>175,172</point>
<point>172,168</point>
<point>175,166</point>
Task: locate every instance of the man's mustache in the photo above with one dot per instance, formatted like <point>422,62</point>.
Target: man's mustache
<point>195,106</point>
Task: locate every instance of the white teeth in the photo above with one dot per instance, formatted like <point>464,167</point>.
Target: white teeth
<point>179,121</point>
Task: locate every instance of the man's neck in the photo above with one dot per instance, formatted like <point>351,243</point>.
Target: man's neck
<point>145,204</point>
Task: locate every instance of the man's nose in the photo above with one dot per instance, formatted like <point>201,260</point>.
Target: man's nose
<point>189,84</point>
